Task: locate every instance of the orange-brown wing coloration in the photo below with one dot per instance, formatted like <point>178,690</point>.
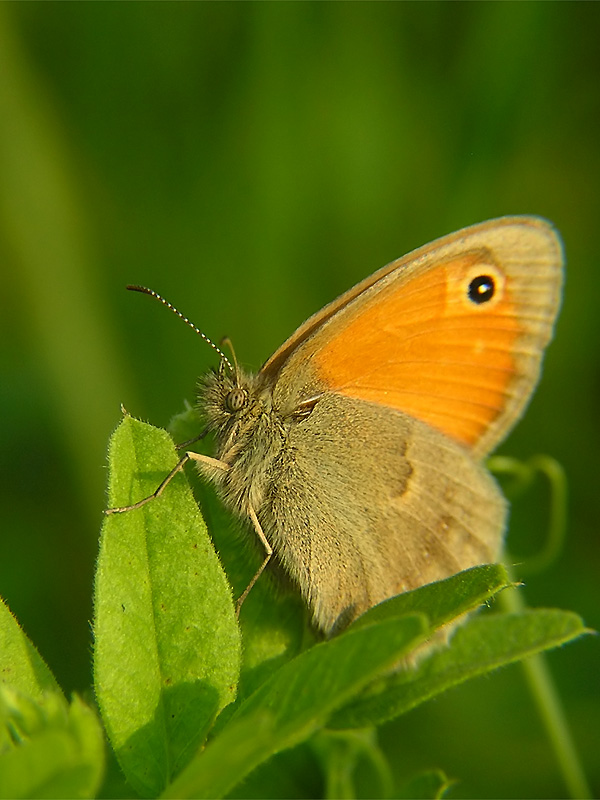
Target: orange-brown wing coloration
<point>429,351</point>
<point>452,334</point>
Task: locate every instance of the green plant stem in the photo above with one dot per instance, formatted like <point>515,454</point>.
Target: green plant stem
<point>343,749</point>
<point>546,697</point>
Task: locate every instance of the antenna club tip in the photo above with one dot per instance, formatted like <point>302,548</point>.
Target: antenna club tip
<point>144,290</point>
<point>134,287</point>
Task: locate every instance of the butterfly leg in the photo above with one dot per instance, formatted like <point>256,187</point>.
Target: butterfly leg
<point>189,456</point>
<point>268,553</point>
<point>219,465</point>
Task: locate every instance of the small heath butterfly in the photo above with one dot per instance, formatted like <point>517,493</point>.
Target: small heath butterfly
<point>356,452</point>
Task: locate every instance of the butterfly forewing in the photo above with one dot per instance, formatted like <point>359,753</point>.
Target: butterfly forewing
<point>452,335</point>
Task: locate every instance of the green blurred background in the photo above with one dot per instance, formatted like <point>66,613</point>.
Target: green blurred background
<point>251,162</point>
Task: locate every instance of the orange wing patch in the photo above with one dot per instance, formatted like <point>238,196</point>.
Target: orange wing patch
<point>424,347</point>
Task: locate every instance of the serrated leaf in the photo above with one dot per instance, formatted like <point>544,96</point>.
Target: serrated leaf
<point>295,702</point>
<point>167,644</point>
<point>21,666</point>
<point>56,750</point>
<point>483,644</point>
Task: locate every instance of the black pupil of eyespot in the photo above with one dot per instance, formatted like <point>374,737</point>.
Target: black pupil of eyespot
<point>236,399</point>
<point>481,289</point>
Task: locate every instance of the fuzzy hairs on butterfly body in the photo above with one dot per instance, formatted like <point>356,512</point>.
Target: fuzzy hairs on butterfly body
<point>359,502</point>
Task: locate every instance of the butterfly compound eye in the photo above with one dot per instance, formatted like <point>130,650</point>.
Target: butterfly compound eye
<point>236,399</point>
<point>481,289</point>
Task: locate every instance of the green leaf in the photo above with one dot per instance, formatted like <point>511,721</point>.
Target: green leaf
<point>295,702</point>
<point>227,758</point>
<point>443,601</point>
<point>21,665</point>
<point>52,749</point>
<point>483,644</point>
<point>167,645</point>
<point>429,785</point>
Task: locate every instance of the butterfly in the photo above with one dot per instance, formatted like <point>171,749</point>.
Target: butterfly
<point>357,451</point>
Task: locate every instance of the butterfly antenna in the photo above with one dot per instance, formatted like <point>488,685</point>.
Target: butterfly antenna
<point>152,293</point>
<point>226,342</point>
